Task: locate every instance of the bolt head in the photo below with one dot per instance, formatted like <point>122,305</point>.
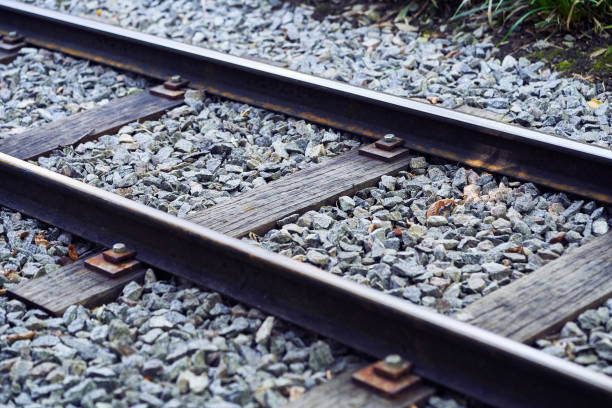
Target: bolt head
<point>176,78</point>
<point>119,248</point>
<point>390,137</point>
<point>394,360</point>
<point>12,34</point>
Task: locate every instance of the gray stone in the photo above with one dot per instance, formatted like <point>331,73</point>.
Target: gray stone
<point>265,330</point>
<point>132,291</point>
<point>436,221</point>
<point>118,330</point>
<point>320,357</point>
<point>599,227</point>
<point>496,271</point>
<point>317,257</point>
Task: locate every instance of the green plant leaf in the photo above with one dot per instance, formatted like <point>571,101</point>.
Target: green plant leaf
<point>403,12</point>
<point>519,21</point>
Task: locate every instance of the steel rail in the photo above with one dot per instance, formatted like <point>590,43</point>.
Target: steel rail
<point>521,153</point>
<point>481,364</point>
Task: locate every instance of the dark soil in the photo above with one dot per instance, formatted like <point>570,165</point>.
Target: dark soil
<point>586,55</point>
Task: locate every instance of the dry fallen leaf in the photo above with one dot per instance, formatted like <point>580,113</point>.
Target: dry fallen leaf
<point>39,239</point>
<point>517,250</point>
<point>588,78</point>
<point>23,234</point>
<point>597,53</point>
<point>594,103</point>
<point>407,27</point>
<point>295,392</point>
<point>2,292</point>
<point>397,231</point>
<point>557,237</point>
<point>433,99</point>
<point>24,336</point>
<point>72,253</point>
<point>452,53</point>
<point>440,205</point>
<point>7,272</point>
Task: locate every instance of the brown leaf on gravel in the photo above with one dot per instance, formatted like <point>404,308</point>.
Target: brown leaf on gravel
<point>433,99</point>
<point>72,253</point>
<point>452,53</point>
<point>397,231</point>
<point>7,272</point>
<point>25,336</point>
<point>295,392</point>
<point>23,234</point>
<point>517,250</point>
<point>588,78</point>
<point>557,237</point>
<point>2,292</point>
<point>39,239</point>
<point>440,205</point>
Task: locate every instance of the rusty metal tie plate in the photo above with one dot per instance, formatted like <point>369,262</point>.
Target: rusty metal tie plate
<point>372,150</point>
<point>388,381</point>
<point>113,264</point>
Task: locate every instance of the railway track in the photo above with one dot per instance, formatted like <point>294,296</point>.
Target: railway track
<point>203,248</point>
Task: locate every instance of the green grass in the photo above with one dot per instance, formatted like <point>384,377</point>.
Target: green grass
<point>566,14</point>
<point>571,15</point>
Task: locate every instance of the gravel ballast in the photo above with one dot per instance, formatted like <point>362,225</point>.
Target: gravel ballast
<point>439,235</point>
<point>159,345</point>
<point>463,68</point>
<point>199,154</point>
<point>586,341</point>
<point>41,86</point>
<point>30,249</point>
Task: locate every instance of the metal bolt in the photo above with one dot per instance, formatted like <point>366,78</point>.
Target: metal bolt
<point>389,138</point>
<point>394,360</point>
<point>13,34</point>
<point>176,78</point>
<point>119,248</point>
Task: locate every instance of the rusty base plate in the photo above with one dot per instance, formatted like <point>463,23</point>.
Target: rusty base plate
<point>381,144</point>
<point>175,86</point>
<point>113,257</point>
<point>386,155</point>
<point>384,386</point>
<point>99,264</point>
<point>11,47</point>
<point>392,373</point>
<point>162,91</point>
